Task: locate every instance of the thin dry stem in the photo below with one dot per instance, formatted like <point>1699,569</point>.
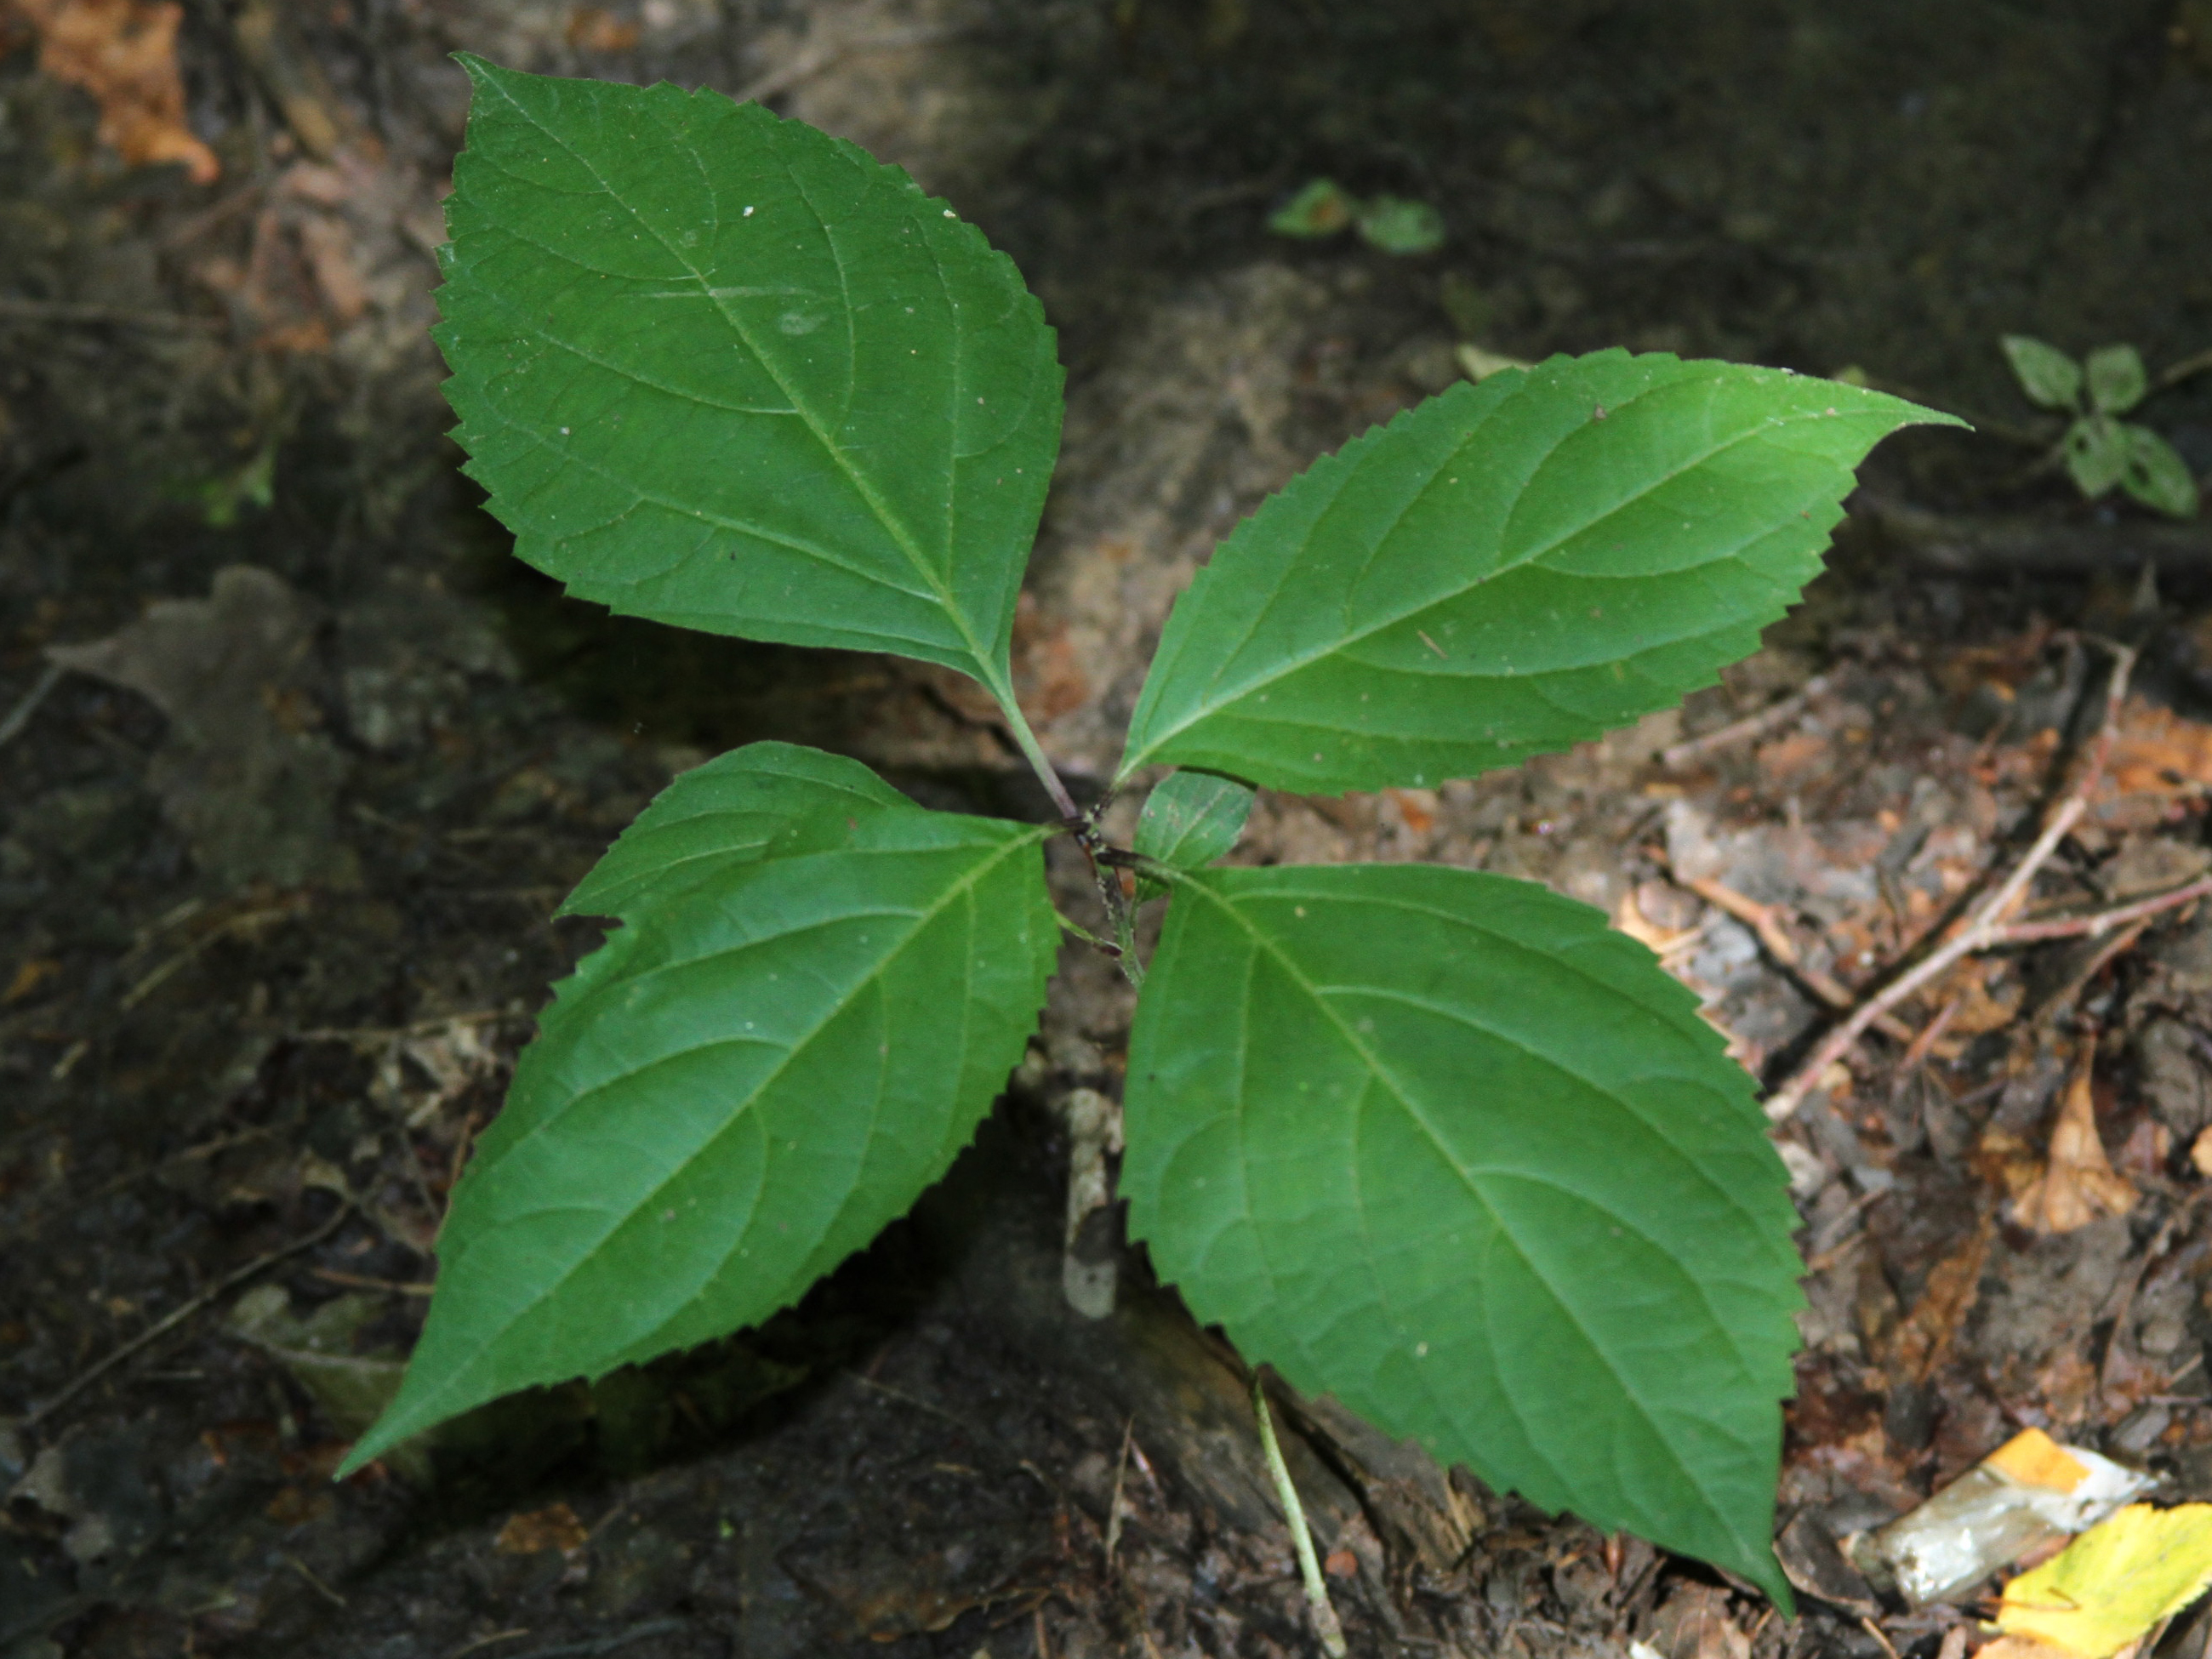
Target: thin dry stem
<point>1987,927</point>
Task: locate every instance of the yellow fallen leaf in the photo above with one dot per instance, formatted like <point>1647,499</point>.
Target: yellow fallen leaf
<point>2114,1582</point>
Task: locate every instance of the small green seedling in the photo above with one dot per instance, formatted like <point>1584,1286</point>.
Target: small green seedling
<point>1437,1142</point>
<point>1394,224</point>
<point>2100,450</point>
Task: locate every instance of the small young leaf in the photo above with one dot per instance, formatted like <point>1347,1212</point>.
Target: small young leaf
<point>767,1062</point>
<point>1190,819</point>
<point>1396,225</point>
<point>1321,208</point>
<point>2155,476</point>
<point>2047,374</point>
<point>1442,1145</point>
<point>2117,380</point>
<point>727,811</point>
<point>723,370</point>
<point>1505,570</point>
<point>2096,454</point>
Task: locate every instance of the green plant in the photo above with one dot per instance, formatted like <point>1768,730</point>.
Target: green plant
<point>1392,224</point>
<point>1434,1140</point>
<point>2100,450</point>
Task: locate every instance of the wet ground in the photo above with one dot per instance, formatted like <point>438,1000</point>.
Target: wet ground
<point>288,805</point>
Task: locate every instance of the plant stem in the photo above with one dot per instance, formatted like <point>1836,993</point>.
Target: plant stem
<point>1033,751</point>
<point>1324,1615</point>
<point>1085,933</point>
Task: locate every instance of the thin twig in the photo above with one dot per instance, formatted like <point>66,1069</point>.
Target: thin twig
<point>1987,926</point>
<point>180,1313</point>
<point>1751,725</point>
<point>1762,920</point>
<point>314,1583</point>
<point>811,62</point>
<point>1867,1623</point>
<point>1120,1473</point>
<point>71,311</point>
<point>2176,373</point>
<point>20,715</point>
<point>2103,921</point>
<point>1324,1615</point>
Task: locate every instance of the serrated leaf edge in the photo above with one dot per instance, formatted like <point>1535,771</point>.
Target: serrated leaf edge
<point>1328,470</point>
<point>1753,1549</point>
<point>992,667</point>
<point>379,1437</point>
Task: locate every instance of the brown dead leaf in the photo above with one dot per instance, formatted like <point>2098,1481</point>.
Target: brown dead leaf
<point>1417,808</point>
<point>1987,994</point>
<point>124,52</point>
<point>2078,1184</point>
<point>1923,1341</point>
<point>553,1528</point>
<point>1048,674</point>
<point>1695,1625</point>
<point>2160,752</point>
<point>2200,1152</point>
<point>593,28</point>
<point>2066,1385</point>
<point>1788,759</point>
<point>328,246</point>
<point>31,974</point>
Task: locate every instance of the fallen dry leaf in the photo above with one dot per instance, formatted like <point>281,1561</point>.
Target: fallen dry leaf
<point>1923,1341</point>
<point>124,52</point>
<point>2108,1587</point>
<point>2078,1184</point>
<point>553,1528</point>
<point>2160,752</point>
<point>2200,1152</point>
<point>593,28</point>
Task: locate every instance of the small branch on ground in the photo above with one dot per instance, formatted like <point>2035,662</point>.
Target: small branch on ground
<point>811,62</point>
<point>1675,755</point>
<point>1761,920</point>
<point>180,1313</point>
<point>1988,928</point>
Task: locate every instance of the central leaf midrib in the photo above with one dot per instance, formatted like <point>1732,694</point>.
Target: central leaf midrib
<point>1214,702</point>
<point>922,920</point>
<point>1389,1081</point>
<point>892,523</point>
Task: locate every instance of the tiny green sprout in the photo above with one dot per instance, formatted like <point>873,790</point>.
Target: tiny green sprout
<point>1437,1142</point>
<point>1393,224</point>
<point>2102,451</point>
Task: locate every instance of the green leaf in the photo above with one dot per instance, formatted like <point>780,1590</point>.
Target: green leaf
<point>727,811</point>
<point>1190,819</point>
<point>2096,454</point>
<point>1396,225</point>
<point>765,1065</point>
<point>1505,570</point>
<point>2116,380</point>
<point>1321,208</point>
<point>1441,1144</point>
<point>723,370</point>
<point>2155,475</point>
<point>2047,374</point>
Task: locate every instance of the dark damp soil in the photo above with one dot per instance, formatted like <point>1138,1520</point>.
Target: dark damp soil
<point>277,876</point>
